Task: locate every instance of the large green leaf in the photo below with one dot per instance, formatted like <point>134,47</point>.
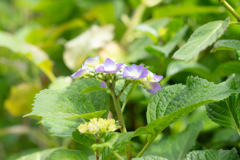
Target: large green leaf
<point>178,145</point>
<point>173,102</point>
<point>196,93</point>
<point>42,155</point>
<point>34,54</point>
<point>150,158</point>
<point>169,47</point>
<point>213,154</point>
<point>63,110</point>
<point>68,154</point>
<point>226,113</point>
<point>203,37</point>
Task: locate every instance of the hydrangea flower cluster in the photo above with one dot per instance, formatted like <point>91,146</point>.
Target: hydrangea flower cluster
<point>109,72</point>
<point>98,126</point>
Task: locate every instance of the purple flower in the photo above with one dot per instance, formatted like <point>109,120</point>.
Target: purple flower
<point>88,66</point>
<point>152,87</point>
<point>103,85</point>
<point>109,66</point>
<point>152,77</point>
<point>135,72</point>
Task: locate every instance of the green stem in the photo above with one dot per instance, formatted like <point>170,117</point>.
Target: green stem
<point>230,9</point>
<point>145,147</point>
<point>121,120</point>
<point>135,20</point>
<point>234,22</point>
<point>118,156</point>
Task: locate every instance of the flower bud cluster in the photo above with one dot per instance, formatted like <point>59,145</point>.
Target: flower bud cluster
<point>98,126</point>
<point>109,72</point>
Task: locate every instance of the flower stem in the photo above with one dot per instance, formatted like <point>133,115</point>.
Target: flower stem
<point>121,120</point>
<point>230,9</point>
<point>145,147</point>
<point>118,156</point>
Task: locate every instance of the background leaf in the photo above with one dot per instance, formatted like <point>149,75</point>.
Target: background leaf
<point>232,45</point>
<point>65,154</point>
<point>203,37</point>
<point>31,52</point>
<point>176,147</point>
<point>213,154</point>
<point>150,158</point>
<point>42,155</point>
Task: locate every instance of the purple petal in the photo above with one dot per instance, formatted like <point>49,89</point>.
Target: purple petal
<point>103,84</point>
<point>139,67</point>
<point>144,73</point>
<point>157,77</point>
<point>92,61</point>
<point>153,87</point>
<point>100,69</point>
<point>127,72</point>
<point>79,73</point>
<point>109,65</point>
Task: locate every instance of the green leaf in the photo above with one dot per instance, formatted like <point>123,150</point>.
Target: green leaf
<point>213,154</point>
<point>232,45</point>
<point>92,89</point>
<point>226,113</point>
<point>227,68</point>
<point>203,37</point>
<point>68,154</point>
<point>42,155</point>
<point>178,145</point>
<point>169,47</point>
<point>180,10</point>
<point>150,158</point>
<point>173,102</point>
<point>84,139</point>
<point>178,66</point>
<point>151,32</point>
<point>60,83</point>
<point>62,111</point>
<point>31,52</point>
<point>125,94</point>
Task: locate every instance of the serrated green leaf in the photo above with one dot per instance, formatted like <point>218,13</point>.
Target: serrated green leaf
<point>62,111</point>
<point>203,37</point>
<point>150,158</point>
<point>169,47</point>
<point>232,45</point>
<point>213,154</point>
<point>68,154</point>
<point>84,139</point>
<point>42,155</point>
<point>226,113</point>
<point>178,66</point>
<point>177,145</point>
<point>173,102</point>
<point>92,89</point>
